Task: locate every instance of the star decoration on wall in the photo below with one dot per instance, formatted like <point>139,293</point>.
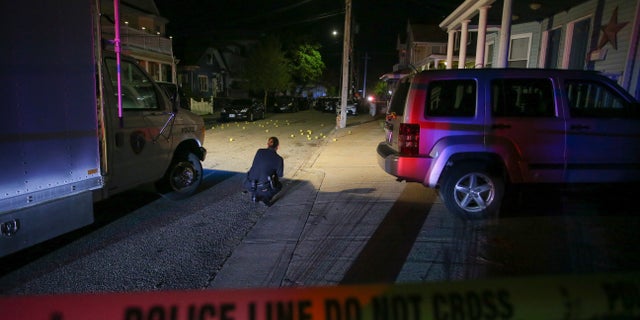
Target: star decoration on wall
<point>610,31</point>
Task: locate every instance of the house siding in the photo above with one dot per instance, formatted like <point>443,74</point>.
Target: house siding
<point>616,59</point>
<point>492,38</point>
<point>149,46</point>
<point>578,29</point>
<point>608,59</point>
<point>534,30</point>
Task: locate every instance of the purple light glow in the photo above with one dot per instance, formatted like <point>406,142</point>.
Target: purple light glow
<point>116,41</point>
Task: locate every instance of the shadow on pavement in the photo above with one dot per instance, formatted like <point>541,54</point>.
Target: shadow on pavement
<point>571,200</point>
<point>105,212</point>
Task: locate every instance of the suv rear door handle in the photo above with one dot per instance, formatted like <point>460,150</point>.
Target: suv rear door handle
<point>500,126</point>
<point>579,127</point>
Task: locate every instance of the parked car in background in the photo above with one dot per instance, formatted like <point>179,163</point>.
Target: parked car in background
<point>304,103</point>
<point>241,109</point>
<point>352,108</point>
<point>318,103</point>
<point>285,104</point>
<point>175,93</point>
<point>328,104</point>
<point>474,133</point>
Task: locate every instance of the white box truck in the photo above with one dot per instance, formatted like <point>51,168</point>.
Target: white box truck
<point>79,123</point>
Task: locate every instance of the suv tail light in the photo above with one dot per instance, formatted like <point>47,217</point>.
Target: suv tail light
<point>409,138</point>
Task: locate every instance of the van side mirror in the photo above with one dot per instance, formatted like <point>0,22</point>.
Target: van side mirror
<point>175,103</point>
<point>171,92</point>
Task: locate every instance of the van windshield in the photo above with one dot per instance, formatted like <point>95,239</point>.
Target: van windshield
<point>138,92</point>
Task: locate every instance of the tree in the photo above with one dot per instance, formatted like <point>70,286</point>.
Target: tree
<point>267,69</point>
<point>381,90</point>
<point>307,65</point>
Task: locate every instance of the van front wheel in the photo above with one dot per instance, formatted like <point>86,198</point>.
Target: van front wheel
<point>473,191</point>
<point>183,176</point>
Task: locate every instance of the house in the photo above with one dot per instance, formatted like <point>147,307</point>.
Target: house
<point>214,71</point>
<point>142,36</point>
<point>600,35</point>
<point>425,46</point>
<point>422,47</point>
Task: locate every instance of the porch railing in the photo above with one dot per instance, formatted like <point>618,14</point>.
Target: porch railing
<point>141,39</point>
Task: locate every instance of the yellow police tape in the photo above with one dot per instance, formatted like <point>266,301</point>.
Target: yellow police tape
<point>600,296</point>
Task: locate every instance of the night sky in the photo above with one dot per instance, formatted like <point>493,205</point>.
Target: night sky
<point>378,24</point>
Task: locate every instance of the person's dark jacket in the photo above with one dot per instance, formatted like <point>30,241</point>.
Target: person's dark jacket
<point>266,163</point>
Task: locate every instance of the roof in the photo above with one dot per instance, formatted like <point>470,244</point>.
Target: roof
<point>522,11</point>
<point>518,72</point>
<point>428,33</point>
<point>146,6</point>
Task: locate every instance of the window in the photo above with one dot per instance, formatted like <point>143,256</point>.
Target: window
<point>522,98</point>
<point>399,97</point>
<point>552,48</point>
<point>577,43</point>
<point>591,99</point>
<point>439,49</point>
<point>488,56</point>
<point>519,51</point>
<point>451,98</point>
<point>203,82</point>
<point>154,70</point>
<point>138,92</point>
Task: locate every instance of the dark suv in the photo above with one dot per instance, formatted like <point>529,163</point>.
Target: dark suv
<point>471,133</point>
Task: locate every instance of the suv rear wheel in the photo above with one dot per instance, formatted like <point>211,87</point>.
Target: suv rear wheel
<point>473,190</point>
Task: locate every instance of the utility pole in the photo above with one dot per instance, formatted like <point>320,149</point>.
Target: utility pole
<point>364,82</point>
<point>346,46</point>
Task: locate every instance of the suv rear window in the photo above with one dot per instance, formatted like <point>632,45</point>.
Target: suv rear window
<point>399,97</point>
<point>451,98</point>
<point>522,98</point>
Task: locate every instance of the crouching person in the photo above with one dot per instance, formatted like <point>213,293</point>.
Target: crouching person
<point>262,180</point>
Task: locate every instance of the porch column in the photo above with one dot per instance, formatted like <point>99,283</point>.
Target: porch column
<point>464,37</point>
<point>450,44</point>
<point>505,35</point>
<point>482,37</point>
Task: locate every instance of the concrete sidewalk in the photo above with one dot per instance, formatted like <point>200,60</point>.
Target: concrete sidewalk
<point>340,214</point>
<point>335,206</point>
<point>340,210</point>
<point>322,218</point>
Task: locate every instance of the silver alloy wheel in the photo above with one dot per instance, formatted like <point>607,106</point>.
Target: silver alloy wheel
<point>474,192</point>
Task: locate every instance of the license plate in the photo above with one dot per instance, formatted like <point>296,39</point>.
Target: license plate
<point>232,116</point>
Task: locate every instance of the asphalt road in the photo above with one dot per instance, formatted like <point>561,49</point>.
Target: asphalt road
<point>339,220</point>
<point>144,241</point>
